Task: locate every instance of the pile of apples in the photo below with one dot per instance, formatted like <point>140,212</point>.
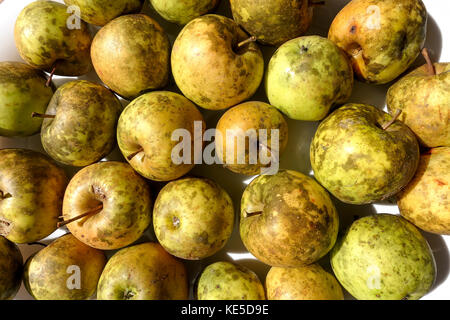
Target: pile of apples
<point>360,154</point>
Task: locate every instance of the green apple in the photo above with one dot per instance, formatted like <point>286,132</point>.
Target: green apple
<point>47,40</point>
<point>131,55</point>
<point>228,281</point>
<point>143,272</point>
<point>273,22</point>
<point>107,205</point>
<point>193,218</point>
<point>213,65</point>
<point>181,12</point>
<point>100,12</point>
<point>424,201</point>
<point>145,132</point>
<point>81,128</point>
<point>31,193</point>
<point>307,76</point>
<point>11,264</point>
<point>382,38</point>
<point>304,283</point>
<point>287,219</point>
<point>361,155</point>
<point>424,99</point>
<point>250,117</point>
<point>67,269</point>
<point>384,257</point>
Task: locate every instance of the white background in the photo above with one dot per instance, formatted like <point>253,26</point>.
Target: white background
<point>300,134</point>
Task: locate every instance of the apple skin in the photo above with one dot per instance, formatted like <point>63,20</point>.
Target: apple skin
<point>209,68</point>
<point>143,272</point>
<point>424,201</point>
<point>247,116</point>
<point>22,92</point>
<point>148,123</point>
<point>44,41</point>
<point>84,129</point>
<point>47,272</point>
<point>36,187</point>
<point>273,22</point>
<point>295,216</point>
<point>100,12</point>
<point>307,76</point>
<point>380,54</point>
<point>131,55</point>
<point>305,283</point>
<point>228,281</point>
<point>11,265</point>
<point>126,201</point>
<point>181,12</point>
<point>193,218</point>
<point>359,162</point>
<point>425,103</point>
<point>384,257</point>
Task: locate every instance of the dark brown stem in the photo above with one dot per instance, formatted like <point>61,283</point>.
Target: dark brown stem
<point>37,243</point>
<point>52,73</point>
<point>41,115</point>
<point>243,43</point>
<point>430,67</point>
<point>316,3</point>
<point>4,195</point>
<point>252,214</point>
<point>394,118</point>
<point>90,212</point>
<point>134,154</point>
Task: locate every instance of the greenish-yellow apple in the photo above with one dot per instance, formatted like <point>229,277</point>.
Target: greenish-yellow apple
<point>193,218</point>
<point>100,12</point>
<point>310,282</point>
<point>307,76</point>
<point>287,219</point>
<point>382,38</point>
<point>146,128</point>
<point>361,155</point>
<point>384,257</point>
<point>107,205</point>
<point>31,194</point>
<point>239,124</point>
<point>80,124</point>
<point>131,55</point>
<point>183,11</point>
<point>273,22</point>
<point>425,200</point>
<point>229,281</point>
<point>11,265</point>
<point>424,98</point>
<point>49,39</point>
<point>143,272</point>
<point>214,64</point>
<point>66,269</point>
<point>22,91</point>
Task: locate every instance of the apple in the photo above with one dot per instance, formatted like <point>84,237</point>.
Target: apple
<point>11,264</point>
<point>181,12</point>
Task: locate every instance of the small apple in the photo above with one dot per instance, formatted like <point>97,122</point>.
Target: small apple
<point>193,218</point>
<point>66,269</point>
<point>107,205</point>
<point>31,194</point>
<point>143,272</point>
<point>287,219</point>
<point>215,64</point>
<point>362,154</point>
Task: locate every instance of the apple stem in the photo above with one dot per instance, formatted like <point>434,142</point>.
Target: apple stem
<point>90,212</point>
<point>40,115</point>
<point>134,154</point>
<point>251,214</point>
<point>4,195</point>
<point>52,73</point>
<point>430,66</point>
<point>243,43</point>
<point>37,243</point>
<point>316,3</point>
<point>394,118</point>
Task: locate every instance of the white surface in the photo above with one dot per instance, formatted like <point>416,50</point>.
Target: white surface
<point>300,134</point>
